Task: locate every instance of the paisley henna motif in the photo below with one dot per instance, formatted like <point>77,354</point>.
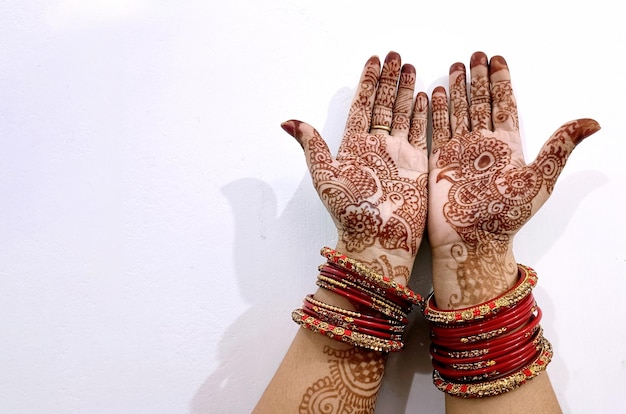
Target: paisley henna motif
<point>367,196</point>
<point>350,388</point>
<point>491,199</point>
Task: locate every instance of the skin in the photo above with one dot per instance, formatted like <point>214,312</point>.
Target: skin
<point>481,192</point>
<point>478,192</point>
<point>375,189</point>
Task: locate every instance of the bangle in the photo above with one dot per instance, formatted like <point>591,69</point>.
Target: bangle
<point>500,385</point>
<point>364,301</point>
<point>362,291</point>
<point>345,335</point>
<point>350,322</point>
<point>507,321</point>
<point>309,298</point>
<point>386,302</point>
<point>344,262</point>
<point>332,270</point>
<point>492,347</point>
<point>526,282</point>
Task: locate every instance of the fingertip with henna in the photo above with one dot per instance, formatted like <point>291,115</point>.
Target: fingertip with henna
<point>457,67</point>
<point>586,127</point>
<point>439,90</point>
<point>496,64</point>
<point>478,59</point>
<point>392,56</point>
<point>291,127</point>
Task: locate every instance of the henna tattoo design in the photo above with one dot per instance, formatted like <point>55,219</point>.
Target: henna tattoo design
<point>480,103</point>
<point>505,109</point>
<point>350,388</point>
<point>489,201</point>
<point>366,196</point>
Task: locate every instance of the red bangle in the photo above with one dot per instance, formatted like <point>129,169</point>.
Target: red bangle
<point>333,270</point>
<point>350,321</point>
<point>493,365</point>
<point>501,385</point>
<point>506,321</point>
<point>526,282</point>
<point>345,335</point>
<point>355,287</point>
<point>449,358</point>
<point>341,260</point>
<point>357,298</point>
<point>353,327</point>
<point>309,298</point>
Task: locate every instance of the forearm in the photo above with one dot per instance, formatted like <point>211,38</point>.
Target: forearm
<point>457,279</point>
<point>318,371</point>
<point>462,278</point>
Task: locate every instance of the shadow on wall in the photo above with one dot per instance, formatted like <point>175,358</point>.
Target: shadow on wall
<point>275,270</point>
<point>276,257</point>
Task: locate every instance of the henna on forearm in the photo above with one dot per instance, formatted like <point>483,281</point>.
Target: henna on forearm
<point>351,386</point>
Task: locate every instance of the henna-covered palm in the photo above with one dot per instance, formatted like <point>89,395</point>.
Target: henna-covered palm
<point>481,190</point>
<point>375,188</point>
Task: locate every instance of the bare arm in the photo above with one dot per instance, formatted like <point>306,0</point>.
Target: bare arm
<point>481,193</point>
<point>375,190</point>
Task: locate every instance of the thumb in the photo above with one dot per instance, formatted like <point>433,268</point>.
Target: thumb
<point>557,149</point>
<point>314,146</point>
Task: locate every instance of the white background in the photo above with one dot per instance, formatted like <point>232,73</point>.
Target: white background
<point>158,227</point>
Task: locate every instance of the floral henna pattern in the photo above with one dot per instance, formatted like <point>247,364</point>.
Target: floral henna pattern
<point>366,196</point>
<point>362,226</point>
<point>505,109</point>
<point>489,201</point>
<point>350,388</point>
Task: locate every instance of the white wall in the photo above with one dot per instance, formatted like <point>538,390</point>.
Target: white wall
<point>157,225</point>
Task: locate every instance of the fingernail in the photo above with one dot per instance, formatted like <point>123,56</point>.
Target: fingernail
<point>392,56</point>
<point>497,63</point>
<point>478,59</point>
<point>439,89</point>
<point>408,68</point>
<point>374,60</point>
<point>457,67</point>
<point>587,128</point>
<point>291,127</point>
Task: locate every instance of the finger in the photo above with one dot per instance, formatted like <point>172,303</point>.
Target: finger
<point>459,115</point>
<point>557,149</point>
<point>404,101</point>
<point>441,121</point>
<point>419,120</point>
<point>315,149</point>
<point>503,106</point>
<point>386,94</point>
<point>360,114</point>
<point>480,99</point>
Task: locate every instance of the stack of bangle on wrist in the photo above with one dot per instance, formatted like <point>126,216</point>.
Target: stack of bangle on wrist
<point>490,348</point>
<point>383,305</point>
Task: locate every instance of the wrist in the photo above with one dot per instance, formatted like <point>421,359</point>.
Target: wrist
<point>462,278</point>
<point>396,264</point>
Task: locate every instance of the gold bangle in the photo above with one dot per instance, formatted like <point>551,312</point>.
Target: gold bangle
<point>500,385</point>
<point>526,282</point>
<point>341,334</point>
<point>351,265</point>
